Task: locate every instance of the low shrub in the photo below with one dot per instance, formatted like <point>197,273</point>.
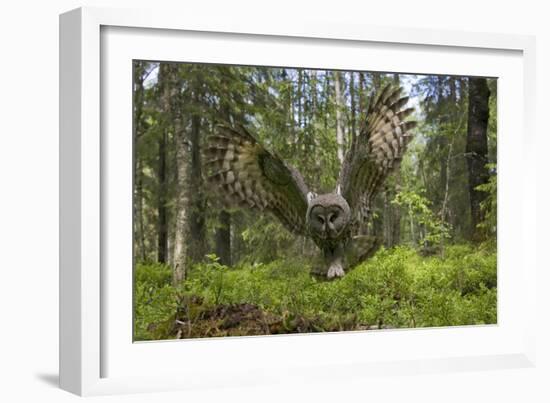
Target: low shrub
<point>396,288</point>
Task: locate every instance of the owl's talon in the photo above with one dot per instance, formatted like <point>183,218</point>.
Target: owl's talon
<point>335,270</point>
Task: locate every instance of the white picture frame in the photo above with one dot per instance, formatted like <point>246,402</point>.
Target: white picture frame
<point>94,342</point>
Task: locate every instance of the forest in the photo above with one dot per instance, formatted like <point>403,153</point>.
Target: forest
<point>205,269</point>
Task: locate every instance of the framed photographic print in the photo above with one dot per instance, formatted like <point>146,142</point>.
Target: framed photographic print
<point>240,199</point>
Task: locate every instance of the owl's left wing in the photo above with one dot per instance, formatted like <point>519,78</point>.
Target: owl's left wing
<point>377,150</point>
<point>243,173</point>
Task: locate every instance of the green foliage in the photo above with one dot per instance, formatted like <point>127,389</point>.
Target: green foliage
<point>396,288</point>
<point>210,276</point>
<point>154,300</point>
<point>418,207</point>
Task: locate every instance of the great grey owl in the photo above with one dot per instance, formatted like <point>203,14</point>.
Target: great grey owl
<point>245,174</point>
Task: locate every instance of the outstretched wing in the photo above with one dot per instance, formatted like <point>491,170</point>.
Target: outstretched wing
<point>377,150</point>
<point>243,173</point>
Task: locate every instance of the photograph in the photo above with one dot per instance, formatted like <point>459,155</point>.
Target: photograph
<point>273,200</point>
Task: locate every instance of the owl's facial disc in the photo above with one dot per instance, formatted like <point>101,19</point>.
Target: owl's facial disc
<point>328,216</point>
<point>335,221</point>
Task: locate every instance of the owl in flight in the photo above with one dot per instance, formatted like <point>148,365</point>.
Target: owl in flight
<point>243,173</point>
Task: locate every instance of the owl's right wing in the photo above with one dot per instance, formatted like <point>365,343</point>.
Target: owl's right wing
<point>377,150</point>
<point>243,173</point>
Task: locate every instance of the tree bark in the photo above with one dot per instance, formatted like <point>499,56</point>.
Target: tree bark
<point>476,147</point>
<point>139,223</point>
<point>339,117</point>
<point>396,79</point>
<point>198,201</point>
<point>299,96</point>
<point>353,119</point>
<point>313,84</point>
<point>396,212</point>
<point>391,213</point>
<point>162,223</point>
<point>387,220</point>
<point>362,101</point>
<point>452,89</point>
<point>223,238</point>
<point>181,241</point>
<point>394,225</point>
<point>162,210</point>
<point>443,213</point>
<point>376,83</point>
<point>139,232</point>
<point>326,98</point>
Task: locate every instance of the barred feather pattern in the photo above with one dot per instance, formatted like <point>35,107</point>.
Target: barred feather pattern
<point>242,173</point>
<point>377,151</point>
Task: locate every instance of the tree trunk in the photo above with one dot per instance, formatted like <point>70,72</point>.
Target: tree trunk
<point>299,95</point>
<point>392,213</point>
<point>181,237</point>
<point>443,213</point>
<point>376,82</point>
<point>139,214</point>
<point>452,89</point>
<point>139,232</point>
<point>353,106</point>
<point>443,141</point>
<point>339,117</point>
<point>411,224</point>
<point>313,84</point>
<point>223,238</point>
<point>162,210</point>
<point>396,212</point>
<point>362,101</point>
<point>198,201</point>
<point>396,79</point>
<point>387,220</point>
<point>326,98</point>
<point>476,147</point>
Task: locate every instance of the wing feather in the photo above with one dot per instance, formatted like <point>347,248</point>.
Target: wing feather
<point>378,149</point>
<point>243,173</point>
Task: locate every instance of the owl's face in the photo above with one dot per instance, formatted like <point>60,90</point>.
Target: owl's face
<point>328,216</point>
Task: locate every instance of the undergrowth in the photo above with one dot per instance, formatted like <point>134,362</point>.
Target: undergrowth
<point>397,288</point>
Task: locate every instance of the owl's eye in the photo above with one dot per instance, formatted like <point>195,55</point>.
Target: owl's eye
<point>321,219</point>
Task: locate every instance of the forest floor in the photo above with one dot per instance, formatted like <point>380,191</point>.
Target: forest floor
<point>397,288</point>
<point>246,319</point>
